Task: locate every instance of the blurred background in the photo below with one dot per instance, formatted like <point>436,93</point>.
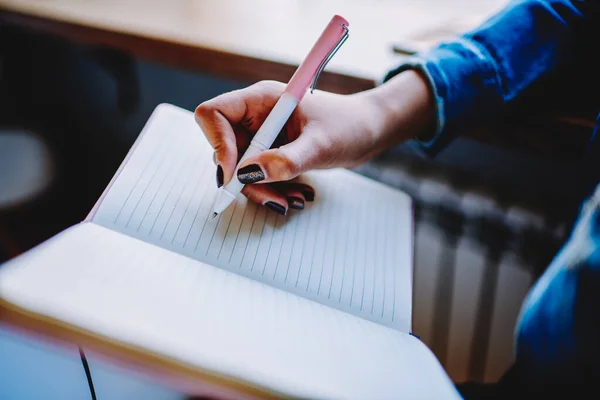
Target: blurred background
<point>79,79</point>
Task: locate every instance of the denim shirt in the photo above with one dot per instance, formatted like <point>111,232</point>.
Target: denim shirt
<point>475,76</point>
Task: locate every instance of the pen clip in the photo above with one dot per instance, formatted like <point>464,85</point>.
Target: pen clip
<point>330,55</point>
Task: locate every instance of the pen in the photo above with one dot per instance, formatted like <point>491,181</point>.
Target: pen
<point>332,38</point>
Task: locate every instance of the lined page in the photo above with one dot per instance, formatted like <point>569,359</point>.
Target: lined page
<point>350,249</point>
<point>141,296</point>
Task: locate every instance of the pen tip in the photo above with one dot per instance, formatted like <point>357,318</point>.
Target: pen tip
<point>214,215</point>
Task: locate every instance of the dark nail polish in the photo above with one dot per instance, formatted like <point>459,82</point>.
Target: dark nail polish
<point>278,208</point>
<point>219,176</point>
<point>296,203</point>
<point>309,195</point>
<point>250,174</point>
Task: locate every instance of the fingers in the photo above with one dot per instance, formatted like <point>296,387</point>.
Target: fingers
<point>295,199</point>
<point>308,151</point>
<point>223,118</point>
<point>268,197</point>
<point>307,191</point>
<point>280,197</point>
<point>291,189</point>
<point>219,132</point>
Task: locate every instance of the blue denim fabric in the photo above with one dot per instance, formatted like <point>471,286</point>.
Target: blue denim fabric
<point>558,332</point>
<point>473,77</point>
<point>475,74</point>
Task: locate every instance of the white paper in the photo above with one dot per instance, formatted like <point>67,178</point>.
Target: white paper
<point>350,249</point>
<point>141,295</point>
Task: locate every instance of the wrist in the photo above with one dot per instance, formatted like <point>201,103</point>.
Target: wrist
<point>405,108</point>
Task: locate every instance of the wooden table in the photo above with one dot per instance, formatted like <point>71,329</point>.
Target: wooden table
<point>252,40</point>
<point>248,40</point>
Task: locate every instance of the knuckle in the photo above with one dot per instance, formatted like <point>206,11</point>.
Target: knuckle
<point>249,193</point>
<point>222,144</point>
<point>268,86</point>
<point>287,166</point>
<point>202,111</point>
<point>255,194</point>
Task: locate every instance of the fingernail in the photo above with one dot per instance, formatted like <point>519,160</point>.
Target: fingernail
<point>250,174</point>
<point>278,208</point>
<point>219,176</point>
<point>309,194</point>
<point>296,203</point>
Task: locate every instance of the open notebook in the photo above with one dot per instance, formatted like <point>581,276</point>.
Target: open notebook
<point>316,304</point>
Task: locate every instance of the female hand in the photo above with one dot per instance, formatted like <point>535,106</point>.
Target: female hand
<point>325,131</point>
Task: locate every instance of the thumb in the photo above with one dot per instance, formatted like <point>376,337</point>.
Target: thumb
<point>309,151</point>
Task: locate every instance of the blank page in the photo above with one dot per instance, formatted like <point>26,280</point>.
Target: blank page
<point>190,313</point>
<point>350,249</point>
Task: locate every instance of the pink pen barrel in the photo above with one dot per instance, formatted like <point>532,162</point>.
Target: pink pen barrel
<point>304,75</point>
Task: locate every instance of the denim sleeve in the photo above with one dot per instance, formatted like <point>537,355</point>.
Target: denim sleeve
<point>477,73</point>
<point>558,329</point>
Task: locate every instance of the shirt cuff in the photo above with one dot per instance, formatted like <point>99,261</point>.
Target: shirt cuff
<point>464,82</point>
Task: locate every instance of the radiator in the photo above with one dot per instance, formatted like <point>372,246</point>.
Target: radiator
<point>475,260</point>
